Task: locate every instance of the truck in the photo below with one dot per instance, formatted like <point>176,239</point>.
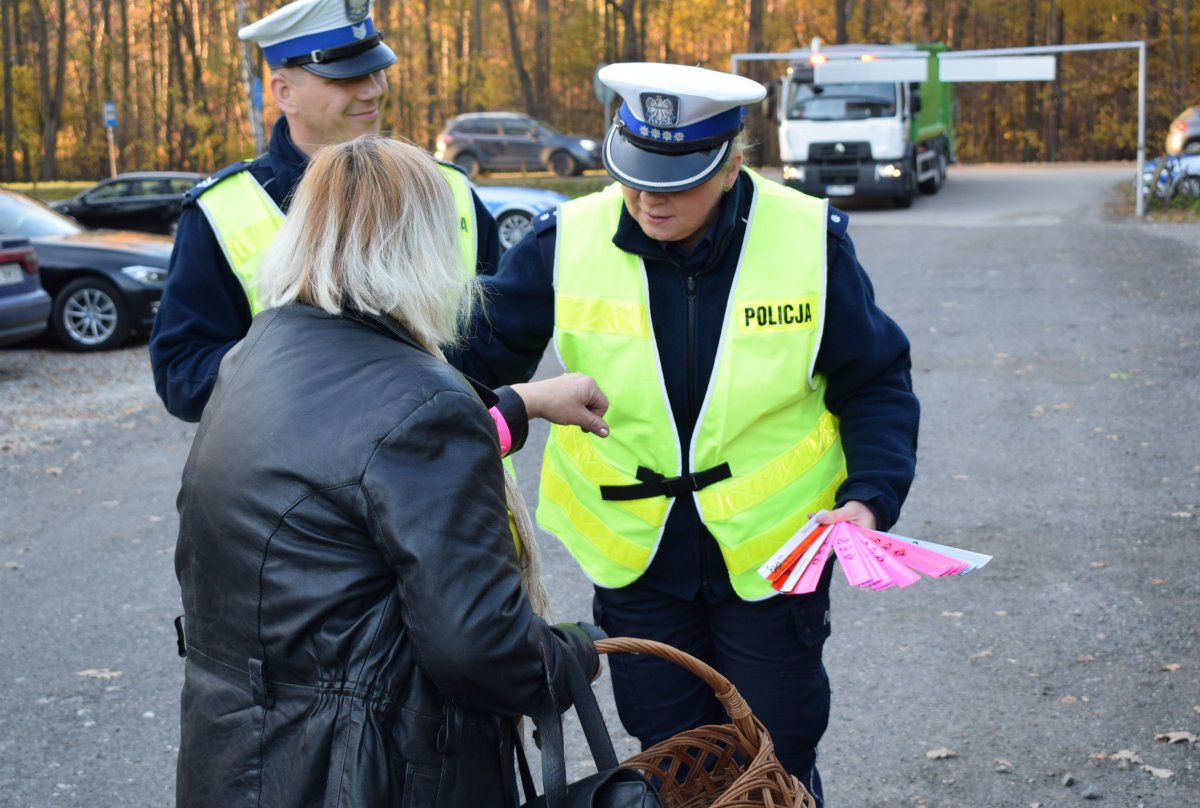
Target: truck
<point>889,134</point>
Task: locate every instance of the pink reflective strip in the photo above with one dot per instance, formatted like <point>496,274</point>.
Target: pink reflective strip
<point>502,431</point>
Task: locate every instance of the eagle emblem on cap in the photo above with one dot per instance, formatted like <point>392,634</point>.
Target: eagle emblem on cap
<point>357,10</point>
<point>661,111</point>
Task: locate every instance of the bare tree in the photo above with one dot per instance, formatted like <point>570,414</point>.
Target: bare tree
<point>1055,115</point>
<point>541,59</point>
<point>758,121</point>
<point>10,129</point>
<point>431,71</point>
<point>627,11</point>
<point>514,41</point>
<point>50,85</point>
<point>864,21</point>
<point>1186,68</point>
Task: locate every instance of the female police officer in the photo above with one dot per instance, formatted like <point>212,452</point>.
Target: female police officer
<point>752,381</point>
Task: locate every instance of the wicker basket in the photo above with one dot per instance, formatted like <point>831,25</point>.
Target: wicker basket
<point>717,766</point>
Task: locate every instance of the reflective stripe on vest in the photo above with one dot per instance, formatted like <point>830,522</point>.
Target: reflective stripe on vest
<point>763,413</point>
<point>464,203</point>
<point>245,219</point>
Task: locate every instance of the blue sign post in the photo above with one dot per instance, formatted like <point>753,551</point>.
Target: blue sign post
<point>110,123</point>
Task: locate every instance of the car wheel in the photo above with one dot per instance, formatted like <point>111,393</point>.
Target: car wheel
<point>512,227</point>
<point>563,164</point>
<point>90,315</point>
<point>469,163</point>
<point>1188,187</point>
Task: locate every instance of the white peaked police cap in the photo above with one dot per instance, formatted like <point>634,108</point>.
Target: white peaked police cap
<point>331,38</point>
<point>673,129</point>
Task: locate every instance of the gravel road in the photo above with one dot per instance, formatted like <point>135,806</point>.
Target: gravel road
<point>1057,357</point>
<point>50,394</point>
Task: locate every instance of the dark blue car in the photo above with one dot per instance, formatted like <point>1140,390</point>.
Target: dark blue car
<point>24,304</point>
<point>105,284</point>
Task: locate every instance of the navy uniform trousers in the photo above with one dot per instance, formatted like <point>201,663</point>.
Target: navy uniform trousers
<point>770,650</point>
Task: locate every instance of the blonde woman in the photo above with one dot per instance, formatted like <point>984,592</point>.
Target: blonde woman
<point>356,629</point>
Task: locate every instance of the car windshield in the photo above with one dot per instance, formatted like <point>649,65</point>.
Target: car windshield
<point>22,216</point>
<point>842,102</point>
<point>548,129</point>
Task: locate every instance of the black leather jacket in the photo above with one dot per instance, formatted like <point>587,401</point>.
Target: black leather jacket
<point>357,634</point>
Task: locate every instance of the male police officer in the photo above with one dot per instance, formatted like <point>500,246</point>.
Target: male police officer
<point>327,62</point>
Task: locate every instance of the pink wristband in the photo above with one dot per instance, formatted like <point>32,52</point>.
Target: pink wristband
<point>502,431</point>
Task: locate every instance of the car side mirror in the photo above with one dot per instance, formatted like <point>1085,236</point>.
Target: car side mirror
<point>915,102</point>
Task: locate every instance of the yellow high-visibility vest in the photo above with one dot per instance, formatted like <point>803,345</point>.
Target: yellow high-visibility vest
<point>763,415</point>
<point>245,219</point>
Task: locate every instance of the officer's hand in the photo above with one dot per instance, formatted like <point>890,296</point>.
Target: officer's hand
<point>572,399</point>
<point>853,511</point>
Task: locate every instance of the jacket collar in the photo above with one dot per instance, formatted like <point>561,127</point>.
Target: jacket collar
<point>630,237</point>
<point>391,328</point>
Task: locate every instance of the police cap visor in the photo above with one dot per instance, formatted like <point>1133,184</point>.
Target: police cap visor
<point>658,172</point>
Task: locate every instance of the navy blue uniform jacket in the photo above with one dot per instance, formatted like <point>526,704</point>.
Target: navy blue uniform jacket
<point>863,353</point>
<point>204,310</point>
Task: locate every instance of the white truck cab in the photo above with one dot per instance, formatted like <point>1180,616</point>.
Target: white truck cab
<point>865,138</point>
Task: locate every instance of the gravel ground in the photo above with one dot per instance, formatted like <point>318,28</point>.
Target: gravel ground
<point>50,393</point>
<point>1056,361</point>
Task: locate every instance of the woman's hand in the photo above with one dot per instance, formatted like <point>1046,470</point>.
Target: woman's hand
<point>853,511</point>
<point>572,399</point>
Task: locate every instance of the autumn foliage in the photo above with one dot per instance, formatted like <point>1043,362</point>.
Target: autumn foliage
<point>181,81</point>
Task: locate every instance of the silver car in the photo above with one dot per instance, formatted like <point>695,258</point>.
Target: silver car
<point>1184,135</point>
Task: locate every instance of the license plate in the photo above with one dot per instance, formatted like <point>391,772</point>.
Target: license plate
<point>839,190</point>
<point>10,274</point>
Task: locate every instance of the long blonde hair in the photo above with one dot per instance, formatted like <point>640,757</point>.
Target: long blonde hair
<point>374,226</point>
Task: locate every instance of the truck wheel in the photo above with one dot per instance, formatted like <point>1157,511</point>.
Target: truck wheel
<point>905,199</point>
<point>933,184</point>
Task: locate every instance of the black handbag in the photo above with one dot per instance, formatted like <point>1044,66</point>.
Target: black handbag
<point>612,786</point>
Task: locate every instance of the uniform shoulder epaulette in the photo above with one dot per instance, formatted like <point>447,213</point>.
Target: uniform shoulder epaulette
<point>545,220</point>
<point>196,190</point>
<point>837,223</point>
<point>448,164</point>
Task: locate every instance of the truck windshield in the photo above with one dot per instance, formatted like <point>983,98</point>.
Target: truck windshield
<point>842,102</point>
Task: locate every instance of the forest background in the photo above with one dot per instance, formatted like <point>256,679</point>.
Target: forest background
<point>181,81</point>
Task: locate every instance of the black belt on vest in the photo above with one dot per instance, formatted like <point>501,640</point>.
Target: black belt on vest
<point>654,484</point>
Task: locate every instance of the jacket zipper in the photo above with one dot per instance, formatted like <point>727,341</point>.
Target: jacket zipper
<point>691,347</point>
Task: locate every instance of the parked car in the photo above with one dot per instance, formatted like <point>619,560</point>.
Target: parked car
<point>1186,182</point>
<point>138,200</point>
<point>1183,137</point>
<point>514,208</point>
<point>510,141</point>
<point>1172,176</point>
<point>106,284</point>
<point>24,304</point>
